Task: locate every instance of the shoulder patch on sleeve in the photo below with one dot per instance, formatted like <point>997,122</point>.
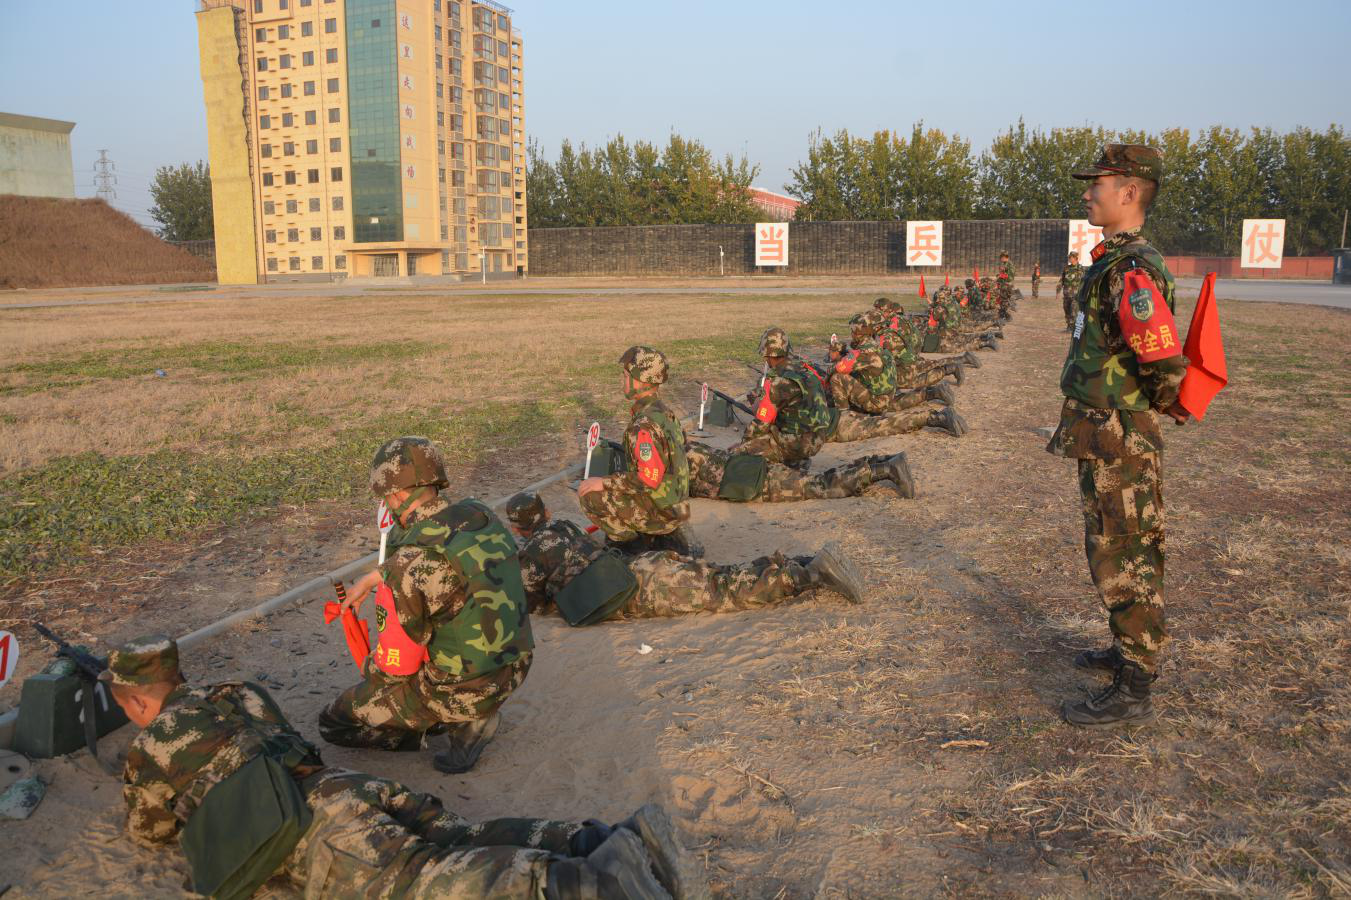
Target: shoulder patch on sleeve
<point>1146,322</point>
<point>647,461</point>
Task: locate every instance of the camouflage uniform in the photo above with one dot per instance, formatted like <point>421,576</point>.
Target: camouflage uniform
<point>668,584</point>
<point>782,483</point>
<point>865,379</point>
<point>946,312</point>
<point>913,372</point>
<point>1070,278</point>
<point>392,712</point>
<point>802,419</point>
<point>369,838</point>
<point>1117,442</point>
<point>652,495</point>
<point>1004,276</point>
<point>1036,279</point>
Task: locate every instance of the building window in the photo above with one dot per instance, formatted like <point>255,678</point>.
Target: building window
<point>286,89</point>
<point>333,85</point>
<point>288,148</point>
<point>272,264</point>
<point>340,262</point>
<point>307,58</point>
<point>316,234</point>
<point>335,114</point>
<point>375,23</point>
<point>292,206</point>
<point>316,263</point>
<point>262,64</point>
<point>340,232</point>
<point>443,232</point>
<point>335,145</point>
<point>266,150</point>
<point>312,146</point>
<point>335,174</point>
<point>293,235</point>
<point>440,118</point>
<point>309,89</point>
<point>306,29</point>
<point>440,148</point>
<point>283,32</point>
<point>456,67</point>
<point>287,120</point>
<point>337,204</point>
<point>436,30</point>
<point>294,263</point>
<point>330,26</point>
<point>269,208</point>
<point>270,236</point>
<point>306,2</point>
<point>331,55</point>
<point>311,117</point>
<point>501,20</point>
<point>257,6</point>
<point>290,178</point>
<point>441,175</point>
<point>267,179</point>
<point>314,176</point>
<point>283,3</point>
<point>457,179</point>
<point>260,35</point>
<point>262,92</point>
<point>284,61</point>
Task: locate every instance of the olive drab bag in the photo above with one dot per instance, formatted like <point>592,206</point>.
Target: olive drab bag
<point>492,629</point>
<point>744,477</point>
<point>244,829</point>
<point>598,592</point>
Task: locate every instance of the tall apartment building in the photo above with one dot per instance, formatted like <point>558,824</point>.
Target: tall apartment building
<point>364,138</point>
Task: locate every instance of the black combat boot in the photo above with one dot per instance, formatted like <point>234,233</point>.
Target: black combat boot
<point>989,342</point>
<point>1108,660</point>
<point>948,420</point>
<point>682,541</point>
<point>831,568</point>
<point>957,370</point>
<point>1123,702</point>
<point>941,392</point>
<point>619,869</point>
<point>896,470</point>
<point>971,359</point>
<point>467,741</point>
<point>675,869</point>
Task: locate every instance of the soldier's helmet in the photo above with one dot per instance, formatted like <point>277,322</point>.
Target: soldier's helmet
<point>1074,256</point>
<point>405,463</point>
<point>865,323</point>
<point>645,364</point>
<point>887,306</point>
<point>942,293</point>
<point>970,283</point>
<point>774,342</point>
<point>526,511</point>
<point>1003,254</point>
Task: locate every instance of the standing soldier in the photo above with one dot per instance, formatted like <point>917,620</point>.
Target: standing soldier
<point>455,636</point>
<point>647,505</point>
<point>1036,279</point>
<point>1125,365</point>
<point>1004,276</point>
<point>1070,278</point>
<point>793,418</point>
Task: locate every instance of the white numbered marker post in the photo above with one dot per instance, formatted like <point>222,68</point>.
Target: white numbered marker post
<point>384,520</point>
<point>703,404</point>
<point>592,439</point>
<point>9,656</point>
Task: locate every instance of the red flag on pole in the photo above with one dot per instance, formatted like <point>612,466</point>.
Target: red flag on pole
<point>353,629</point>
<point>1206,370</point>
<point>975,273</point>
<point>946,280</point>
<point>922,292</point>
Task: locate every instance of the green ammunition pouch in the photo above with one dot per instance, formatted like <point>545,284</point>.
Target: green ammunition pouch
<point>244,829</point>
<point>930,344</point>
<point>744,477</point>
<point>598,591</point>
<point>719,412</point>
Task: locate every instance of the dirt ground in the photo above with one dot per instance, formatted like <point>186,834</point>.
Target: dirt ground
<point>906,746</point>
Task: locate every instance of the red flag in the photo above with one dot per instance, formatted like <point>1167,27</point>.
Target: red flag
<point>922,292</point>
<point>975,273</point>
<point>946,280</point>
<point>353,629</point>
<point>1206,370</point>
<point>933,323</point>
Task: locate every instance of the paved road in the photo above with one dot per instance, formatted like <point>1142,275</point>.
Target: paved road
<point>1308,292</point>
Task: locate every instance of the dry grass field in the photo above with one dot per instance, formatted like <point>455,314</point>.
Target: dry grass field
<point>906,746</point>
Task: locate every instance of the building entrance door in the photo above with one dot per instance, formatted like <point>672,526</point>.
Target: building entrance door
<point>386,265</point>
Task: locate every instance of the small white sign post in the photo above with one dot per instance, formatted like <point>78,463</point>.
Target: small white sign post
<point>384,520</point>
<point>1263,244</point>
<point>1083,238</point>
<point>924,243</point>
<point>9,656</point>
<point>592,440</point>
<point>771,243</point>
<point>703,406</point>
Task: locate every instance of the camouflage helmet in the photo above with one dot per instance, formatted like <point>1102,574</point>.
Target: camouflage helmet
<point>526,511</point>
<point>1003,253</point>
<point>865,322</point>
<point>152,659</point>
<point>942,293</point>
<point>887,306</point>
<point>1074,256</point>
<point>407,462</point>
<point>970,283</point>
<point>645,364</point>
<point>774,342</point>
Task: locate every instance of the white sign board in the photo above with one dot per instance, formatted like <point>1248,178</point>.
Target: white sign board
<point>923,243</point>
<point>1083,238</point>
<point>771,243</point>
<point>9,655</point>
<point>592,441</point>
<point>1263,244</point>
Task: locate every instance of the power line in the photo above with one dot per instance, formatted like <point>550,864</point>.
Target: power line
<point>104,169</point>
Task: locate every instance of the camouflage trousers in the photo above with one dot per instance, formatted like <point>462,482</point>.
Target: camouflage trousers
<point>783,483</point>
<point>623,513</point>
<point>951,341</point>
<point>849,393</point>
<point>778,447</point>
<point>920,374</point>
<point>1071,310</point>
<point>1036,287</point>
<point>860,427</point>
<point>672,585</point>
<point>375,838</point>
<point>391,712</point>
<point>1123,539</point>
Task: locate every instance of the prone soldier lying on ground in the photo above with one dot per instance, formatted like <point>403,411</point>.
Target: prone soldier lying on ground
<point>723,475</point>
<point>452,580</point>
<point>899,335</point>
<point>221,768</point>
<point>562,566</point>
<point>945,317</point>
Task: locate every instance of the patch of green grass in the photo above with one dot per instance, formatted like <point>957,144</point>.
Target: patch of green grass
<point>59,513</point>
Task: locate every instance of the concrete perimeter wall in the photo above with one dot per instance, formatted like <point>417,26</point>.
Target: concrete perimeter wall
<point>1313,268</point>
<point>814,248</point>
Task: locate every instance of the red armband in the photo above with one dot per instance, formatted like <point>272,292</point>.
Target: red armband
<point>765,410</point>
<point>1146,322</point>
<point>846,363</point>
<point>647,460</point>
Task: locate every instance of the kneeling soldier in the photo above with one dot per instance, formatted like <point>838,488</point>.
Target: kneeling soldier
<point>454,631</point>
<point>793,417</point>
<point>222,769</point>
<point>562,565</point>
<point>865,377</point>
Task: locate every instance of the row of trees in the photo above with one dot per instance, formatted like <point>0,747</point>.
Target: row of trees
<point>1214,180</point>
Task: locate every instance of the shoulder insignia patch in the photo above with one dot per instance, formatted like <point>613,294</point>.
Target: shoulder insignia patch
<point>647,460</point>
<point>1146,322</point>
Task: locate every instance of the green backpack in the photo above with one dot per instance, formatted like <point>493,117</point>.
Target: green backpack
<point>744,477</point>
<point>598,591</point>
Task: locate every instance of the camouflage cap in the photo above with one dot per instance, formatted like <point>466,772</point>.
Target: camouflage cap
<point>407,462</point>
<point>645,364</point>
<point>1134,160</point>
<point>774,342</point>
<point>526,510</point>
<point>1074,256</point>
<point>152,659</point>
<point>1003,253</point>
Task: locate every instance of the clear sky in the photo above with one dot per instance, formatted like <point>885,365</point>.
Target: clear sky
<point>744,75</point>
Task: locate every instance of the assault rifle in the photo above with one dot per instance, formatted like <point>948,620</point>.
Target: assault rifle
<point>731,401</point>
<point>88,667</point>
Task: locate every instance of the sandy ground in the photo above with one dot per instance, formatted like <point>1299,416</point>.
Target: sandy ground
<point>816,749</point>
